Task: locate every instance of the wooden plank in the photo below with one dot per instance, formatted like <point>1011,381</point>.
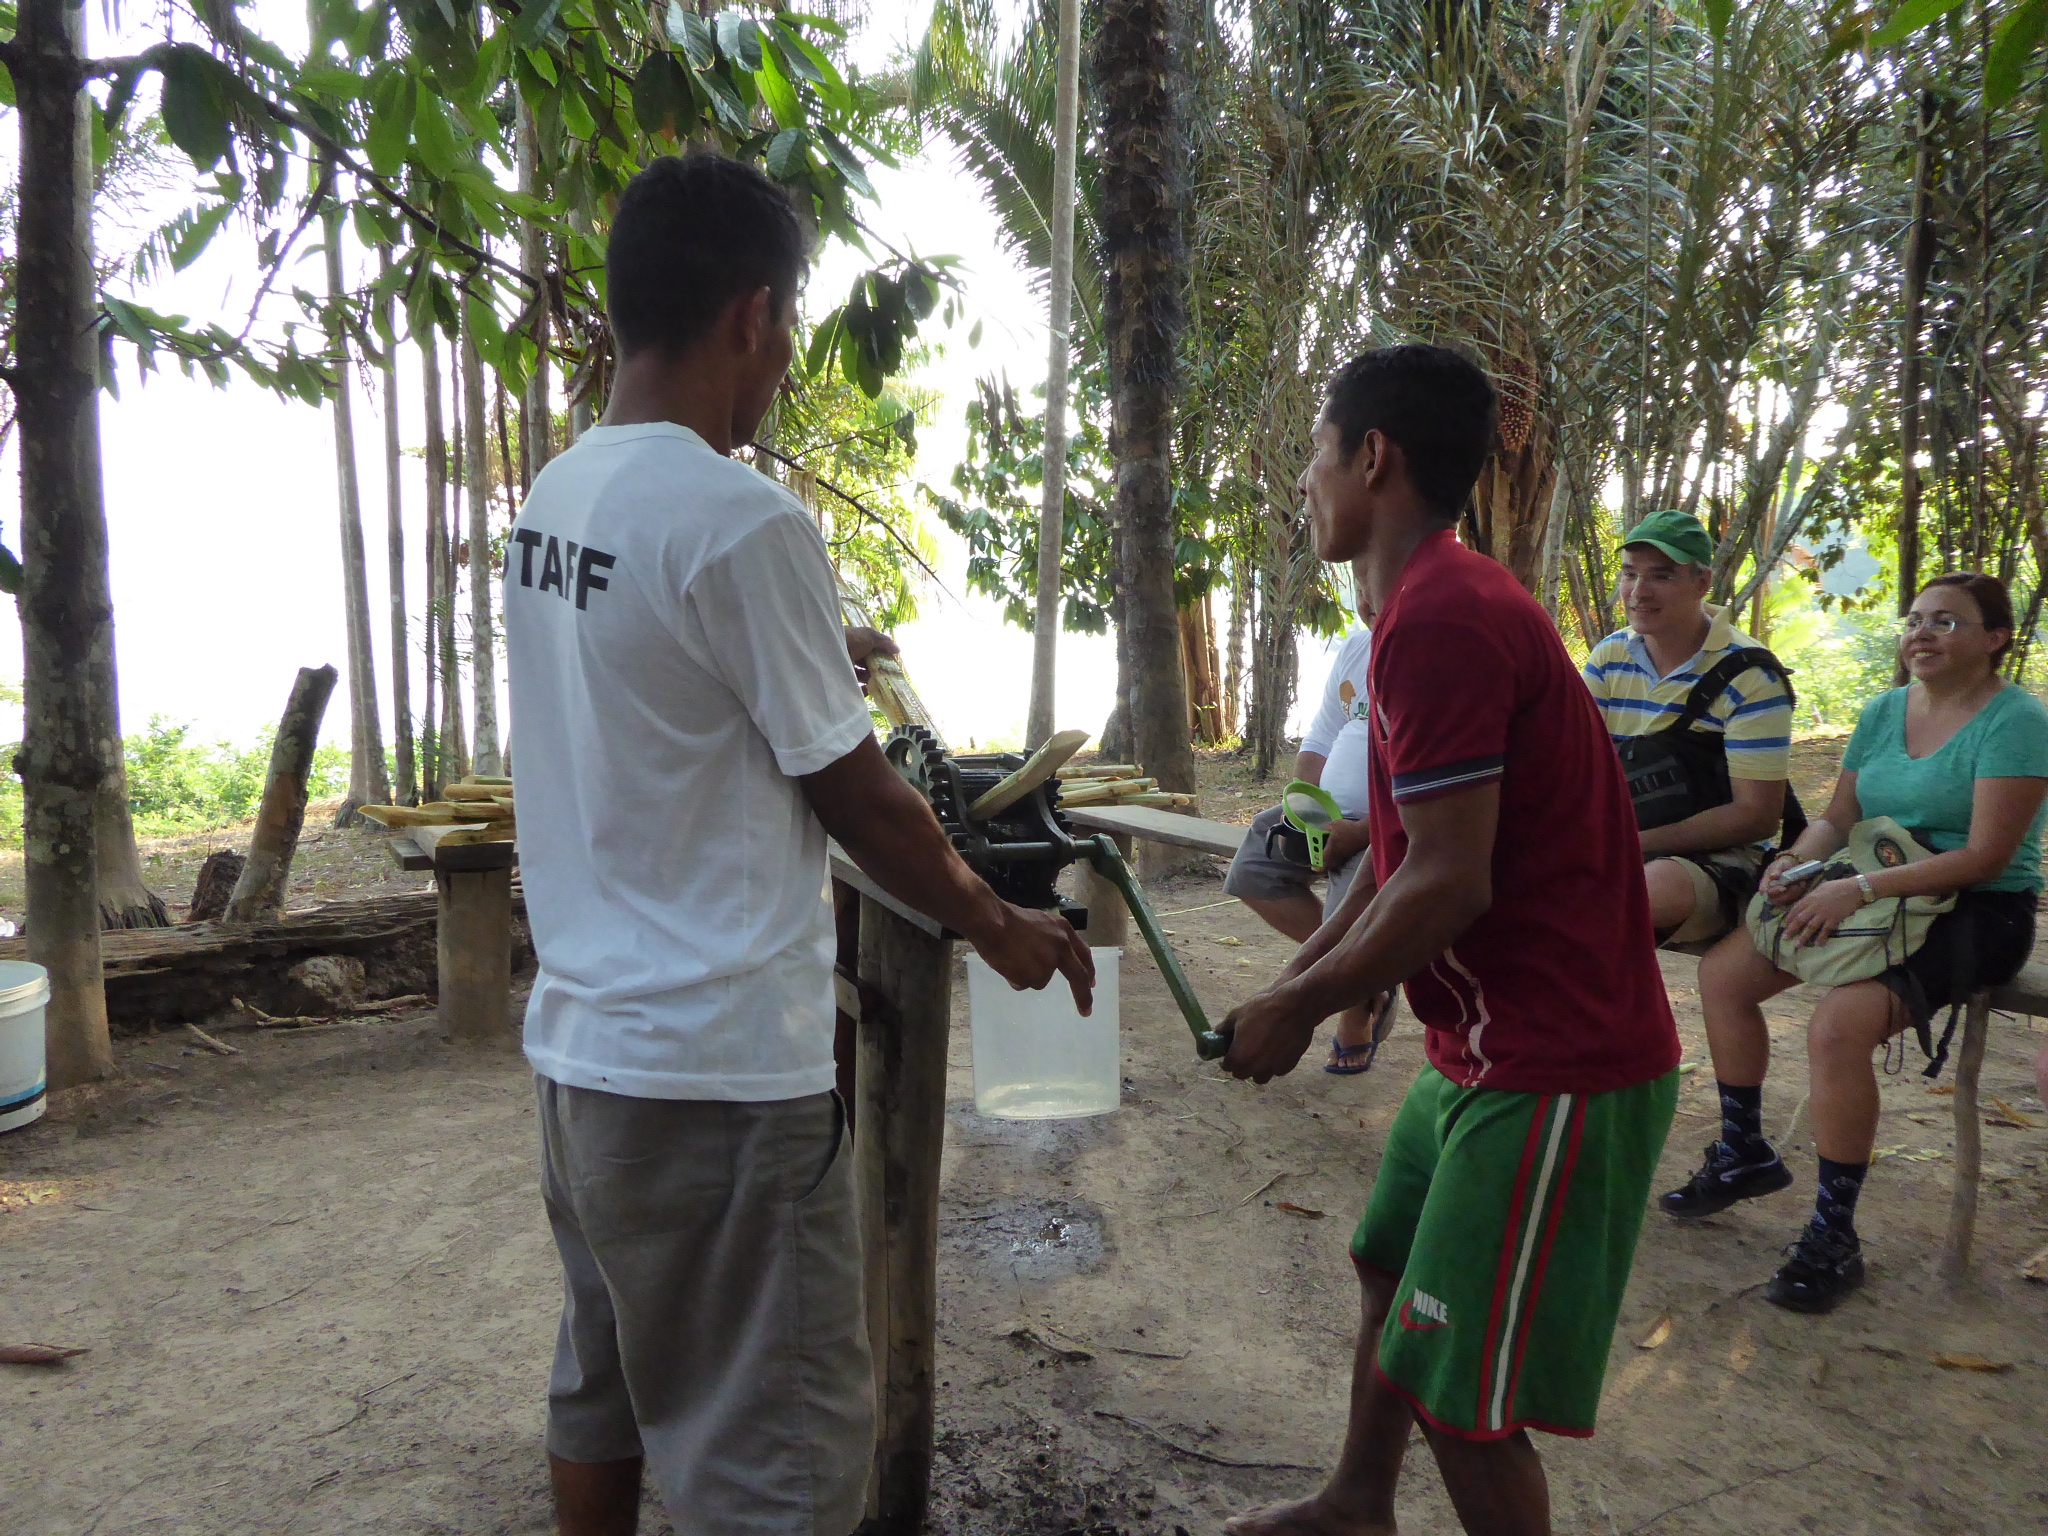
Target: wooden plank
<point>1153,825</point>
<point>900,1128</point>
<point>1954,1265</point>
<point>2025,993</point>
<point>408,854</point>
<point>847,872</point>
<point>473,950</point>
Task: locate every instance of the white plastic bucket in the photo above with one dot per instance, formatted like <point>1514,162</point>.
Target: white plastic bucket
<point>1035,1057</point>
<point>24,994</point>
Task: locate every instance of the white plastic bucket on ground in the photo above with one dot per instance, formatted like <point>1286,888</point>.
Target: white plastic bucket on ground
<point>24,993</point>
<point>1035,1057</point>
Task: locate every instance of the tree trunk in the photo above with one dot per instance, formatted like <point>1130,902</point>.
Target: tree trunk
<point>483,683</point>
<point>1233,669</point>
<point>66,610</point>
<point>1198,663</point>
<point>536,416</point>
<point>407,788</point>
<point>1052,509</point>
<point>436,451</point>
<point>1920,241</point>
<point>260,889</point>
<point>454,738</point>
<point>1142,185</point>
<point>368,783</point>
<point>1512,502</point>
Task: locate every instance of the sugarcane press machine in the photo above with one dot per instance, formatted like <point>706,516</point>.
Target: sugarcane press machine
<point>1020,842</point>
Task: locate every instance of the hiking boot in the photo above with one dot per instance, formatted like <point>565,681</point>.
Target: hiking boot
<point>1820,1269</point>
<point>1727,1177</point>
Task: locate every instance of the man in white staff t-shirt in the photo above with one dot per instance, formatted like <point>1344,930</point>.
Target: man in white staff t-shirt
<point>690,731</point>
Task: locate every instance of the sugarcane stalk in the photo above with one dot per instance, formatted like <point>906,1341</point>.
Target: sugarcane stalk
<point>1109,863</point>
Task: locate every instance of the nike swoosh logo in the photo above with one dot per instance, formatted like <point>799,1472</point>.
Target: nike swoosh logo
<point>1409,1322</point>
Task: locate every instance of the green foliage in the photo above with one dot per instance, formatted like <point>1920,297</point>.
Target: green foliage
<point>866,448</point>
<point>178,785</point>
<point>997,506</point>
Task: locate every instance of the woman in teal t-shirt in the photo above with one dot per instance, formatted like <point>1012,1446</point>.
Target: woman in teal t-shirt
<point>1960,758</point>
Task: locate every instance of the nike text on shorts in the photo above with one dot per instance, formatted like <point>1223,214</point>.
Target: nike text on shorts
<point>1510,1221</point>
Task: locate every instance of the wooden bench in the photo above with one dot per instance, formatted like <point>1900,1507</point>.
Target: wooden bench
<point>2026,993</point>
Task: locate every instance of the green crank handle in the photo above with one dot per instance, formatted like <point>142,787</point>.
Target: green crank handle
<point>1108,862</point>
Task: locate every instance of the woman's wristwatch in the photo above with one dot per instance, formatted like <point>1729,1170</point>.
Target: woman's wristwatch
<point>1863,884</point>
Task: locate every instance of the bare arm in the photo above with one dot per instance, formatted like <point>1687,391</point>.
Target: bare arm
<point>1444,884</point>
<point>1755,813</point>
<point>887,829</point>
<point>1308,767</point>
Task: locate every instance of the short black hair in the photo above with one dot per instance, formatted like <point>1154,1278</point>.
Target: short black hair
<point>691,234</point>
<point>1438,405</point>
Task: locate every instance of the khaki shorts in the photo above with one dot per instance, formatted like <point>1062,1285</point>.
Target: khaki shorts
<point>711,1318</point>
<point>1722,883</point>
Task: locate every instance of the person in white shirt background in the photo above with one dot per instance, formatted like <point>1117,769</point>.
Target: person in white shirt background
<point>1276,882</point>
<point>689,733</point>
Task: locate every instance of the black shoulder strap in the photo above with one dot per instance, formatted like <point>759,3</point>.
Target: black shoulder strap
<point>1724,672</point>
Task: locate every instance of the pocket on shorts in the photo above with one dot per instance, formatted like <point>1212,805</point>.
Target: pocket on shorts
<point>812,1186</point>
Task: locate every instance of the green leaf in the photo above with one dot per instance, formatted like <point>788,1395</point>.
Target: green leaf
<point>786,155</point>
<point>725,101</point>
<point>808,60</point>
<point>195,108</point>
<point>2015,42</point>
<point>434,136</point>
<point>692,33</point>
<point>543,64</point>
<point>823,340</point>
<point>390,127</point>
<point>739,39</point>
<point>823,24</point>
<point>536,19</point>
<point>848,166</point>
<point>330,81</point>
<point>1909,18</point>
<point>974,335</point>
<point>920,292</point>
<point>1719,14</point>
<point>779,93</point>
<point>661,93</point>
<point>196,238</point>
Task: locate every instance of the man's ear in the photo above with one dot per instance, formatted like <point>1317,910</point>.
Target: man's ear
<point>752,317</point>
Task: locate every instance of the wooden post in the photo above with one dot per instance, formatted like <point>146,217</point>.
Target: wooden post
<point>1962,1211</point>
<point>1109,920</point>
<point>260,888</point>
<point>901,1121</point>
<point>474,949</point>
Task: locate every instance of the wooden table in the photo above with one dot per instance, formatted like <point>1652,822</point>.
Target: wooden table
<point>473,943</point>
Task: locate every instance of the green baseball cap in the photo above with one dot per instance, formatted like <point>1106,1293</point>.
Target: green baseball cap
<point>1678,534</point>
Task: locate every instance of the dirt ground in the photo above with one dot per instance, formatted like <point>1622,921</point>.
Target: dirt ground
<point>319,1297</point>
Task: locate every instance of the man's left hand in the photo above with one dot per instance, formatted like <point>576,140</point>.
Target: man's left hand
<point>861,643</point>
<point>1268,1035</point>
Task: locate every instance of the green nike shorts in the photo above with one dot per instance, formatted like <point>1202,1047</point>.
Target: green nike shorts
<point>1510,1220</point>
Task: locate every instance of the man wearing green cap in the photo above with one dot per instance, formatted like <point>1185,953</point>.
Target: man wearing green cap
<point>1681,664</point>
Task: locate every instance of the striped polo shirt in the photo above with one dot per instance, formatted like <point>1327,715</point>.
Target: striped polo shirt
<point>1753,713</point>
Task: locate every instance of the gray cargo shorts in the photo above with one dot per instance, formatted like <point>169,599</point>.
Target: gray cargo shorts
<point>712,1319</point>
<point>1267,876</point>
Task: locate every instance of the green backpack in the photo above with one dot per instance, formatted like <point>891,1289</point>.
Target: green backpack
<point>1871,940</point>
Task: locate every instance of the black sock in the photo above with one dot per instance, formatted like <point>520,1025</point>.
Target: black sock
<point>1742,1119</point>
<point>1840,1184</point>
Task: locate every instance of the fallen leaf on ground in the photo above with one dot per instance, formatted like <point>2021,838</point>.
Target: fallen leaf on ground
<point>2007,1115</point>
<point>1657,1333</point>
<point>1028,1337</point>
<point>1943,1088</point>
<point>36,1354</point>
<point>1298,1210</point>
<point>1231,941</point>
<point>1962,1362</point>
<point>2036,1268</point>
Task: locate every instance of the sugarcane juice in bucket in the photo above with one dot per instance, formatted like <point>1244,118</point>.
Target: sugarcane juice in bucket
<point>1035,1056</point>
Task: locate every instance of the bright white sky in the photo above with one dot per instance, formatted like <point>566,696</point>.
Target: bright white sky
<point>224,522</point>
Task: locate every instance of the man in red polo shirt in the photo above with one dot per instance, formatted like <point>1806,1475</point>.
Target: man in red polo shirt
<point>1500,1232</point>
